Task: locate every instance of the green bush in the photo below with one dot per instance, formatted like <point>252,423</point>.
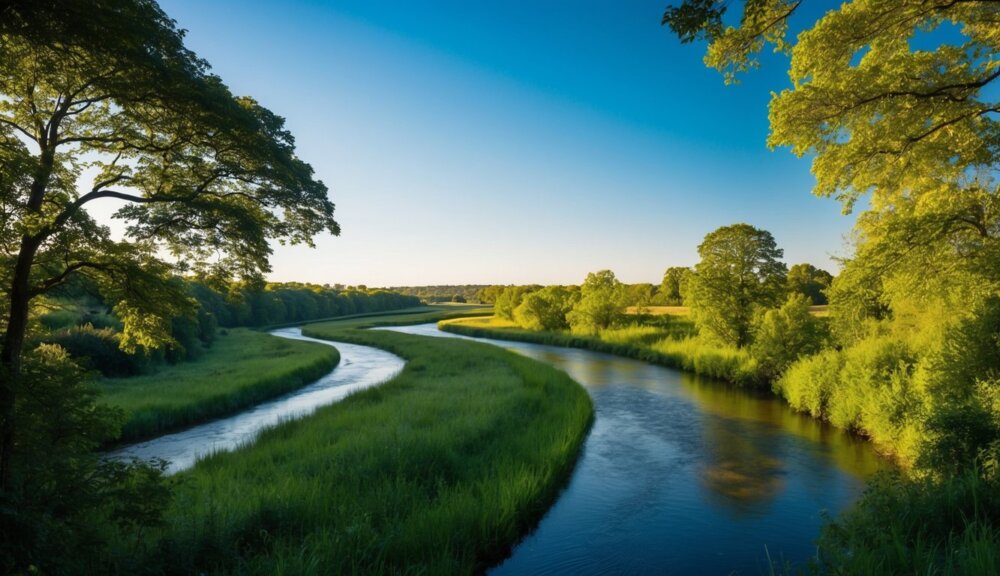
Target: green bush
<point>98,348</point>
<point>784,335</point>
<point>807,384</point>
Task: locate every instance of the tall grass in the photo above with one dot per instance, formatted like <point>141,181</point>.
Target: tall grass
<point>918,526</point>
<point>664,345</point>
<point>241,369</point>
<point>439,471</point>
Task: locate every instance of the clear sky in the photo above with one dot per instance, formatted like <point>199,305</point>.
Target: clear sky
<point>511,141</point>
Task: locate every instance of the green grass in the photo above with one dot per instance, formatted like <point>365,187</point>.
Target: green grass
<point>241,369</point>
<point>404,316</point>
<point>438,471</point>
<point>918,526</point>
<point>667,344</point>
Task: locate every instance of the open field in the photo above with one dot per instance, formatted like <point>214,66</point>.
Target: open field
<point>241,369</point>
<point>438,471</point>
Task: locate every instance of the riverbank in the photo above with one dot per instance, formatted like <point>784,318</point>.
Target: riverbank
<point>655,344</point>
<point>242,368</point>
<point>902,525</point>
<point>440,470</point>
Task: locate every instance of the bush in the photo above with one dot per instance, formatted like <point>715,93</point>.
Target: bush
<point>807,384</point>
<point>546,309</point>
<point>98,348</point>
<point>65,503</point>
<point>784,335</point>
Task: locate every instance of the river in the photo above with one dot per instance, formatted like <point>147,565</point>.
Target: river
<point>683,475</point>
<point>359,368</point>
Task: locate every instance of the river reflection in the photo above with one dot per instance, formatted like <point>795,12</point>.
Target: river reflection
<point>683,475</point>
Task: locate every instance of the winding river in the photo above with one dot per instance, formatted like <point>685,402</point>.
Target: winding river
<point>359,368</point>
<point>682,475</point>
<point>679,475</point>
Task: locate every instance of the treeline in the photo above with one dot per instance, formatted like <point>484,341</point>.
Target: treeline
<point>805,279</point>
<point>906,359</point>
<point>444,292</point>
<point>82,323</point>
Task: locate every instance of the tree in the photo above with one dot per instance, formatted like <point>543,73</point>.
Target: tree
<point>546,309</point>
<point>809,281</point>
<point>739,272</point>
<point>915,128</point>
<point>108,88</point>
<point>673,285</point>
<point>602,297</point>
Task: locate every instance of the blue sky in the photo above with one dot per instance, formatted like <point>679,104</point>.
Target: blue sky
<point>511,142</point>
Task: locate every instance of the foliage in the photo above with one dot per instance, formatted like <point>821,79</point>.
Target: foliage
<point>674,286</point>
<point>546,309</point>
<point>444,292</point>
<point>783,335</point>
<point>509,298</point>
<point>917,526</point>
<point>99,349</point>
<point>65,504</point>
<point>809,281</point>
<point>739,272</point>
<point>600,306</point>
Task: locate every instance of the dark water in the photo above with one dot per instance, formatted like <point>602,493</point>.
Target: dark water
<point>681,475</point>
<point>359,367</point>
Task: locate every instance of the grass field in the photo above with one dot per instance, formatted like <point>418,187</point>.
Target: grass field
<point>242,368</point>
<point>438,471</point>
<point>668,343</point>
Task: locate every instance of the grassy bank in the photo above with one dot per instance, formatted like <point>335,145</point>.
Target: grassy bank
<point>438,471</point>
<point>241,369</point>
<point>666,344</point>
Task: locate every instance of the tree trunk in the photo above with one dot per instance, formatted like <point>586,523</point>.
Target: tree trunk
<point>10,355</point>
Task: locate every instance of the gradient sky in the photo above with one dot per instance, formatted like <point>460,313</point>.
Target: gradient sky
<point>511,142</point>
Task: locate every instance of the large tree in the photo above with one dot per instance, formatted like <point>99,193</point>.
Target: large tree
<point>892,98</point>
<point>601,303</point>
<point>101,102</point>
<point>740,272</point>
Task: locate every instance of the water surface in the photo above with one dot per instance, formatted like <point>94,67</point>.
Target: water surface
<point>682,475</point>
<point>359,368</point>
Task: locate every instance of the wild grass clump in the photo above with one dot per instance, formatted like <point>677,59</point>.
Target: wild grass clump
<point>707,358</point>
<point>438,471</point>
<point>240,370</point>
<point>918,526</point>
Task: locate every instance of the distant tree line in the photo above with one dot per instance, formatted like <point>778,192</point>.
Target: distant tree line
<point>81,322</point>
<point>444,292</point>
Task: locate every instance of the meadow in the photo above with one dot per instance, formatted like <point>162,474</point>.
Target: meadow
<point>242,368</point>
<point>667,340</point>
<point>438,471</point>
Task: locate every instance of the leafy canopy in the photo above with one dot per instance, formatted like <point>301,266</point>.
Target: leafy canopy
<point>115,108</point>
<point>739,272</point>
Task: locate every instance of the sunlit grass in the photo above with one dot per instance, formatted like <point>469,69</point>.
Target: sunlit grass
<point>669,344</point>
<point>242,368</point>
<point>438,471</point>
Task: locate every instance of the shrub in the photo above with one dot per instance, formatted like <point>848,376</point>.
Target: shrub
<point>98,348</point>
<point>808,383</point>
<point>784,335</point>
